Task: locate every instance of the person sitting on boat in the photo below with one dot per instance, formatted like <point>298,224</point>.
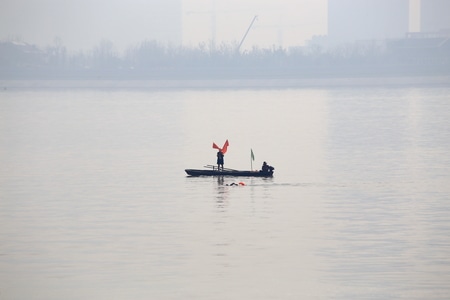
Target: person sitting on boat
<point>220,160</point>
<point>266,168</point>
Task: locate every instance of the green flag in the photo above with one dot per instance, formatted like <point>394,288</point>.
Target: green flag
<point>252,155</point>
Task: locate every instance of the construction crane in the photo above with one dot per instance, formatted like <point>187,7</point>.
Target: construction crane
<point>245,35</point>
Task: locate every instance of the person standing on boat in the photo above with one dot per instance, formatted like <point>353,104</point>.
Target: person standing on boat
<point>221,153</point>
<point>220,160</point>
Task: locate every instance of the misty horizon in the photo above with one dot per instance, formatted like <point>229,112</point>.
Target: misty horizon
<point>83,24</point>
<point>150,60</point>
<point>209,38</point>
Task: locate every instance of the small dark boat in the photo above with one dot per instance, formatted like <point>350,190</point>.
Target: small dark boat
<point>227,172</point>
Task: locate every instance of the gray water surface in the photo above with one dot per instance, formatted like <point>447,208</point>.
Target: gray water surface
<point>95,204</point>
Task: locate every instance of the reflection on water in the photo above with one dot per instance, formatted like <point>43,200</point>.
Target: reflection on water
<point>94,202</point>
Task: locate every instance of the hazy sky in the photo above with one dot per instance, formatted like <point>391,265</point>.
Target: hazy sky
<point>280,22</point>
<point>82,24</point>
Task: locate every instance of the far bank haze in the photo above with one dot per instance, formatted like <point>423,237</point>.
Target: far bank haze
<point>411,56</point>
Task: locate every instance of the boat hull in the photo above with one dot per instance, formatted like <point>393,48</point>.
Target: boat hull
<point>196,172</point>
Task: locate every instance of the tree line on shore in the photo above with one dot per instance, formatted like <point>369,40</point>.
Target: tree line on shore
<point>150,59</point>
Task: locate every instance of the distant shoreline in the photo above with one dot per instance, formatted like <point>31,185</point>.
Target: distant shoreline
<point>230,83</point>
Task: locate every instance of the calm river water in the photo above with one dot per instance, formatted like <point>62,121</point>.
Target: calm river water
<point>95,204</point>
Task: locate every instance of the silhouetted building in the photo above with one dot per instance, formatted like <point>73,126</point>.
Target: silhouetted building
<point>431,46</point>
<point>353,20</point>
<point>434,15</point>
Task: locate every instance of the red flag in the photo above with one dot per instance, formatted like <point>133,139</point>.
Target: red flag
<point>225,147</point>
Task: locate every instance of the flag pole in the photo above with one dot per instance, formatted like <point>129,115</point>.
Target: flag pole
<point>252,158</point>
